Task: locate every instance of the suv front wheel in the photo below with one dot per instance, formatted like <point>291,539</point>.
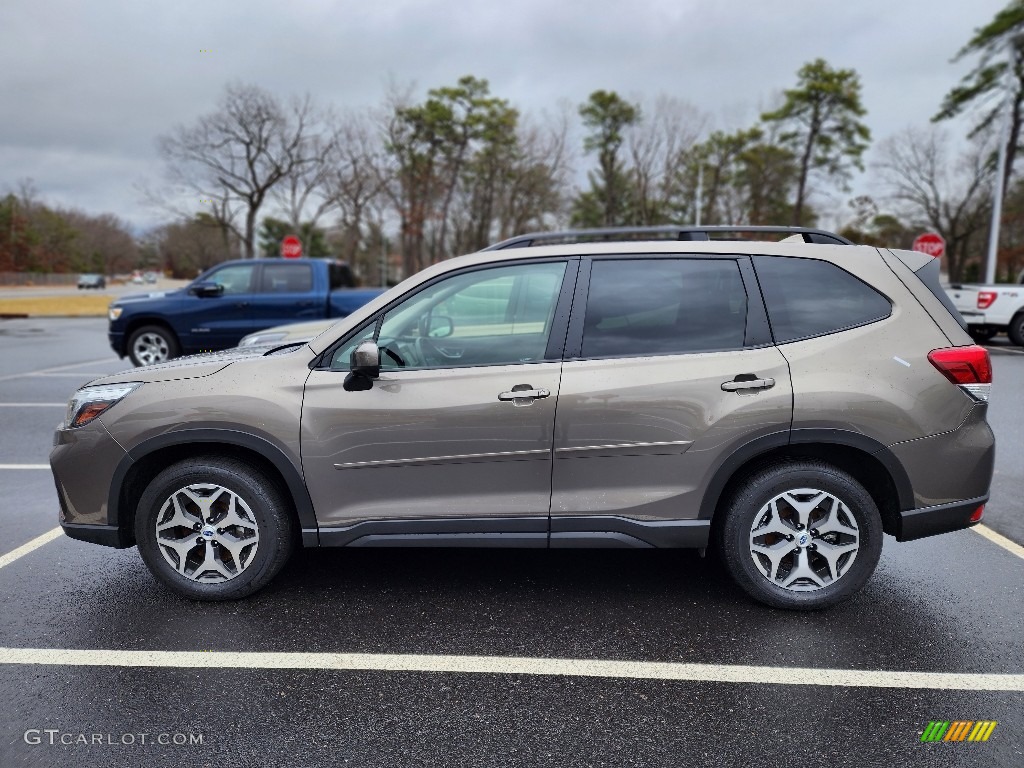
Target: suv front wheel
<point>213,529</point>
<point>801,535</point>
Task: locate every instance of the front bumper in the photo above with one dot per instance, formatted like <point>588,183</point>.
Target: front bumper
<point>117,342</point>
<point>942,518</point>
<point>104,535</point>
<point>83,462</point>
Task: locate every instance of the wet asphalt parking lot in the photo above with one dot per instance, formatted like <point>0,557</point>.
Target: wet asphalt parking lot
<point>489,658</point>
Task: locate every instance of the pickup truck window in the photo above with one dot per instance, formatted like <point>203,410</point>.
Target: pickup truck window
<point>236,278</point>
<point>286,278</point>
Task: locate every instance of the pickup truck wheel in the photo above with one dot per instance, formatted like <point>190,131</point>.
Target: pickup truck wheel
<point>1016,329</point>
<point>213,528</point>
<point>152,344</point>
<point>801,535</point>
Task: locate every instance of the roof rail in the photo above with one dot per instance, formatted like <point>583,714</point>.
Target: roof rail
<point>613,234</point>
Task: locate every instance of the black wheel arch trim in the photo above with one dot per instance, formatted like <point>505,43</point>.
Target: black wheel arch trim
<point>266,449</point>
<point>749,451</point>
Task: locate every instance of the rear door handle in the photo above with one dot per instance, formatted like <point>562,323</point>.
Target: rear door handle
<point>741,384</point>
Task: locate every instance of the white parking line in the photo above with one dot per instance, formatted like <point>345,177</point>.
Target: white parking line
<point>997,538</point>
<point>24,466</point>
<point>500,665</point>
<point>30,546</point>
<point>33,405</point>
<point>66,375</point>
<point>56,368</point>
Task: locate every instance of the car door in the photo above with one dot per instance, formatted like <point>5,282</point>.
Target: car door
<point>668,367</point>
<point>219,321</point>
<point>285,295</point>
<point>454,437</point>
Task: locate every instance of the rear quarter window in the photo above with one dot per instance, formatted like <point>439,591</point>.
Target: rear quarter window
<point>807,298</point>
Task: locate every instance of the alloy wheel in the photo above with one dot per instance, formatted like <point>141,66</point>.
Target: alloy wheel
<point>151,348</point>
<point>207,533</point>
<point>804,539</point>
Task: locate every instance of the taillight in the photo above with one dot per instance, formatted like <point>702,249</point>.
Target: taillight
<point>977,514</point>
<point>986,298</point>
<point>968,367</point>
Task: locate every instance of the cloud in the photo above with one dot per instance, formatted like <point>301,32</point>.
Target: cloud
<point>88,87</point>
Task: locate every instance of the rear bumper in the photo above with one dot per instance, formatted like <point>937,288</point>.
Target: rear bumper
<point>973,318</point>
<point>943,518</point>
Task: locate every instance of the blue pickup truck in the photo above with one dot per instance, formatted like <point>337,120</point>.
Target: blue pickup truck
<point>229,301</point>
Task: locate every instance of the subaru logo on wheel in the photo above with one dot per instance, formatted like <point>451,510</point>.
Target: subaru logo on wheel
<point>208,533</point>
<point>803,539</point>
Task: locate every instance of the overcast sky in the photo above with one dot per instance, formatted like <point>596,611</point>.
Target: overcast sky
<point>86,87</point>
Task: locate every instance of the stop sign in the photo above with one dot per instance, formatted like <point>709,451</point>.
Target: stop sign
<point>291,247</point>
<point>930,243</point>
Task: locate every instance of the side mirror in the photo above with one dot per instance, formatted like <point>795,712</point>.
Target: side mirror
<point>204,289</point>
<point>364,367</point>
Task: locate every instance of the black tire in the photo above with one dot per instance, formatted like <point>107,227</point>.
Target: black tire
<point>749,504</point>
<point>1015,330</point>
<point>982,334</point>
<point>152,344</point>
<point>261,506</point>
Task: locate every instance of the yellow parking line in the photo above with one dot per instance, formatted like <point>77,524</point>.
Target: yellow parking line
<point>998,539</point>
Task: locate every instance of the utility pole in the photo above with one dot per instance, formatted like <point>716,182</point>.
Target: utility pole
<point>999,186</point>
<point>997,202</point>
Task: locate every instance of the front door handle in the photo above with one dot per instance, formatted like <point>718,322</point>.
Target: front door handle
<point>741,384</point>
<point>524,394</point>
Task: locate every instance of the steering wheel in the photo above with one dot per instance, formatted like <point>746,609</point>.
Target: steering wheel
<point>393,355</point>
<point>425,351</point>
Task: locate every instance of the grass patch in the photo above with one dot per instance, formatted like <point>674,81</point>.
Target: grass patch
<point>92,305</point>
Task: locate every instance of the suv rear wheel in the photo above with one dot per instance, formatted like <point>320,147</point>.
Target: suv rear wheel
<point>801,535</point>
<point>213,529</point>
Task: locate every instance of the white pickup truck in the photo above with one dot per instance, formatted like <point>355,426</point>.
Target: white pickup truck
<point>991,309</point>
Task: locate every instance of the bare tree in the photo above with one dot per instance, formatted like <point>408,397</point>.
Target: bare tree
<point>304,192</point>
<point>536,192</point>
<point>355,179</point>
<point>657,145</point>
<point>237,154</point>
<point>948,194</point>
<point>189,246</point>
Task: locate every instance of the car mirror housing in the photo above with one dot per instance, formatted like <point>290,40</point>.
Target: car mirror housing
<point>206,289</point>
<point>364,367</point>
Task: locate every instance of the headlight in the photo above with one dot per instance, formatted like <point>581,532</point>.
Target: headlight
<point>261,338</point>
<point>114,312</point>
<point>89,402</point>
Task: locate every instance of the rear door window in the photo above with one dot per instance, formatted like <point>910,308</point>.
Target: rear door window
<point>641,307</point>
<point>287,278</point>
<point>807,297</point>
